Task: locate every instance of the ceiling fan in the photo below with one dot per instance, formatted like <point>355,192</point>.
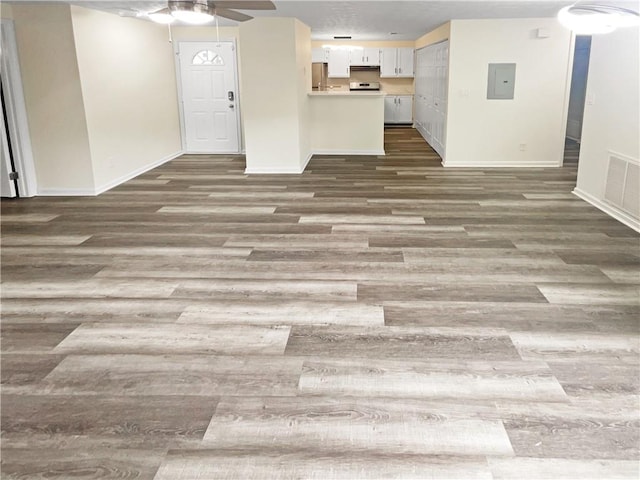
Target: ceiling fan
<point>203,11</point>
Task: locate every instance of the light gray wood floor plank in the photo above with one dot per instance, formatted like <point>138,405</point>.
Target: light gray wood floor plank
<point>526,468</point>
<point>355,425</point>
<point>471,381</point>
<point>148,338</point>
<point>286,313</point>
<point>235,464</point>
<point>207,375</point>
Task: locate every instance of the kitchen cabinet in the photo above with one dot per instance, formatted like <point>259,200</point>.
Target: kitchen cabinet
<point>319,55</point>
<point>396,62</point>
<point>398,109</point>
<point>339,64</point>
<point>366,57</point>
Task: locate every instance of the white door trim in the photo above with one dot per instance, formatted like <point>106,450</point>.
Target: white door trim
<point>17,122</point>
<point>176,50</point>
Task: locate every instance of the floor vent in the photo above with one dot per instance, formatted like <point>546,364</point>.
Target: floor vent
<point>622,189</point>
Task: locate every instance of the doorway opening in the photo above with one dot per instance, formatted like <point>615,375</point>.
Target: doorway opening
<point>577,99</point>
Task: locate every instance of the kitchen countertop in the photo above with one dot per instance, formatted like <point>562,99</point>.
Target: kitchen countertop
<point>347,93</point>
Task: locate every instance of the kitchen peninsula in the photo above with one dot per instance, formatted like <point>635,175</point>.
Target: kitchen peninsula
<point>347,122</point>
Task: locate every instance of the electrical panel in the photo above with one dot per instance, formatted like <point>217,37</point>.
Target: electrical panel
<point>502,81</point>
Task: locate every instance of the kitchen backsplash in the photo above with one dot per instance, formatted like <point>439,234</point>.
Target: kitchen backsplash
<point>394,86</point>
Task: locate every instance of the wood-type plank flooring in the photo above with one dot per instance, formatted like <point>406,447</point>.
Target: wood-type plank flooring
<point>372,318</point>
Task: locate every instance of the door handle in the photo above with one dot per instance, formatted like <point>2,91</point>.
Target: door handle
<point>230,96</point>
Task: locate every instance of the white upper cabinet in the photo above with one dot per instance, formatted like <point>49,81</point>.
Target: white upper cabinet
<point>405,62</point>
<point>396,62</point>
<point>339,64</point>
<point>388,66</point>
<point>319,55</point>
<point>368,57</point>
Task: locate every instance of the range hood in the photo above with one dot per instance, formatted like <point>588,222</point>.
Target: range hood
<point>364,68</point>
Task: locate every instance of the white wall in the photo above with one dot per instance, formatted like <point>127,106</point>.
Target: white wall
<point>303,76</point>
<point>53,99</point>
<point>128,81</point>
<point>344,124</point>
<point>441,33</point>
<point>483,132</point>
<point>273,93</point>
<point>100,95</point>
<point>612,113</point>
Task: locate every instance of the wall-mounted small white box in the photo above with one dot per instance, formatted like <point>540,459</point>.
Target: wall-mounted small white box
<point>502,81</point>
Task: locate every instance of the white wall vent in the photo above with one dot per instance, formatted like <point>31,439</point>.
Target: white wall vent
<point>622,187</point>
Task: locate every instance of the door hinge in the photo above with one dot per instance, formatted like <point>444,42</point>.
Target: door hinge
<point>13,176</point>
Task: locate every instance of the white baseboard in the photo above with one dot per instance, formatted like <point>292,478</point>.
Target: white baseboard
<point>610,210</point>
<point>307,160</point>
<point>272,171</point>
<point>84,192</point>
<point>574,129</point>
<point>135,173</point>
<point>278,171</point>
<point>66,192</point>
<point>349,152</point>
<point>502,165</point>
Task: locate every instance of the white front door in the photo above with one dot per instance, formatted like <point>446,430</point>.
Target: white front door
<point>209,97</point>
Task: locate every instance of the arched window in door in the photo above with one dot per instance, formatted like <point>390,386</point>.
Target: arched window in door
<point>207,57</point>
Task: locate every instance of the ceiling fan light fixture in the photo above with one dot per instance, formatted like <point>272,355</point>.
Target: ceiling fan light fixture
<point>596,19</point>
<point>195,12</point>
<point>162,16</point>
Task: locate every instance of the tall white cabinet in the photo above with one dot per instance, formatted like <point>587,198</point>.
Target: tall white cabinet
<point>432,68</point>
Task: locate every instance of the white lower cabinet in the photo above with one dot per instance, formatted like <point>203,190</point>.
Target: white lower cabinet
<point>398,109</point>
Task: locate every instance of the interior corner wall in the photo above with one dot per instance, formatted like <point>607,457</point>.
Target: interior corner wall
<point>53,99</point>
<point>270,95</point>
<point>5,11</point>
<point>303,70</point>
<point>611,119</point>
<point>438,35</point>
<point>128,81</point>
<point>527,131</point>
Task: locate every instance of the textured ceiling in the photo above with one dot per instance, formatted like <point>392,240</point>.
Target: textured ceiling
<point>372,20</point>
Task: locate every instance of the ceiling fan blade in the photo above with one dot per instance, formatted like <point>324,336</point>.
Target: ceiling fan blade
<point>232,15</point>
<point>246,4</point>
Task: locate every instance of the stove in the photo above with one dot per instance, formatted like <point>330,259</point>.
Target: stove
<point>364,86</point>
